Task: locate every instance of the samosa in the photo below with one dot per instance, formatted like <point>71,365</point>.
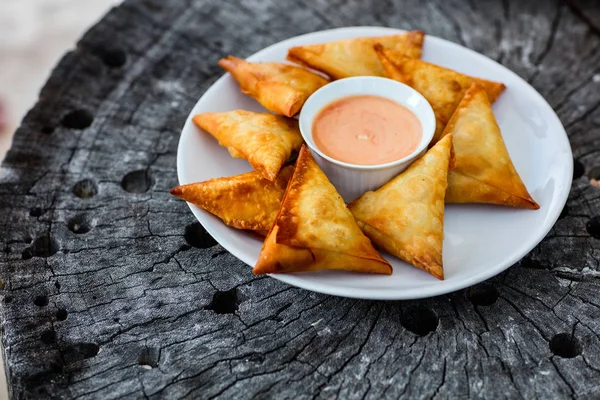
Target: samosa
<point>315,231</point>
<point>246,201</point>
<point>484,172</point>
<point>442,87</point>
<point>280,88</point>
<point>355,57</point>
<point>405,216</point>
<point>267,141</point>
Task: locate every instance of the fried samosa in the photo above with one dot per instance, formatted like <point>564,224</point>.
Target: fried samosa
<point>355,57</point>
<point>315,231</point>
<point>246,201</point>
<point>442,87</point>
<point>405,217</point>
<point>280,88</point>
<point>267,141</point>
<point>484,172</point>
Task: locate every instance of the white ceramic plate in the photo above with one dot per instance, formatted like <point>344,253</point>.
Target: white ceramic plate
<point>480,240</point>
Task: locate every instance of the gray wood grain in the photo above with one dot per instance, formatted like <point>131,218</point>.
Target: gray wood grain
<point>111,289</point>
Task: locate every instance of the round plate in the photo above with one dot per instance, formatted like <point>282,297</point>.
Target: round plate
<point>480,240</point>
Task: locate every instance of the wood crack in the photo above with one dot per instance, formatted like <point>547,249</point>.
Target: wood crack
<point>549,43</point>
<point>584,18</point>
<point>266,343</point>
<point>562,377</point>
<point>582,117</point>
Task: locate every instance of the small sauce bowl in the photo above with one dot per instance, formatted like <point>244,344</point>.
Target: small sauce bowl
<point>352,180</point>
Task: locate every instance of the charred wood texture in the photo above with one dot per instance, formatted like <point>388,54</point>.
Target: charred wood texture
<point>111,289</point>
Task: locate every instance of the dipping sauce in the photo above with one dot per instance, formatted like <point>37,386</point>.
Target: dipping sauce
<point>366,130</point>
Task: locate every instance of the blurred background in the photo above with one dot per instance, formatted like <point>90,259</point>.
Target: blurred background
<point>34,34</point>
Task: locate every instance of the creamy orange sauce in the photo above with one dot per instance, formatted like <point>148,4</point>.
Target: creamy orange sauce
<point>366,130</point>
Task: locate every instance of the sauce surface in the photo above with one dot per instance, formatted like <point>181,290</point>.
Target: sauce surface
<point>366,130</point>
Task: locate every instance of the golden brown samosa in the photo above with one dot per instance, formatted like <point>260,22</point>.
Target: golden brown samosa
<point>442,87</point>
<point>246,201</point>
<point>315,231</point>
<point>267,141</point>
<point>280,88</point>
<point>355,57</point>
<point>484,172</point>
<point>405,217</point>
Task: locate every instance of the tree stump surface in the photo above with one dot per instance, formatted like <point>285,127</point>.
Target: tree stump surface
<point>111,289</point>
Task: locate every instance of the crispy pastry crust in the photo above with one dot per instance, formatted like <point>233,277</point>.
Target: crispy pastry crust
<point>280,88</point>
<point>484,172</point>
<point>246,201</point>
<point>315,231</point>
<point>267,141</point>
<point>355,57</point>
<point>405,217</point>
<point>442,87</point>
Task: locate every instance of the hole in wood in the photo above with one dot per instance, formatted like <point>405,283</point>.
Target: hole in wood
<point>594,173</point>
<point>76,351</point>
<point>42,246</point>
<point>41,301</point>
<point>36,212</point>
<point>48,337</point>
<point>111,57</point>
<point>8,299</point>
<point>593,227</point>
<point>79,224</point>
<point>196,236</point>
<point>148,359</point>
<point>578,169</point>
<point>484,294</point>
<point>256,357</point>
<point>61,314</point>
<point>564,212</point>
<point>594,176</point>
<point>57,285</point>
<point>77,119</point>
<point>224,302</point>
<point>56,367</point>
<point>419,320</point>
<point>85,189</point>
<point>26,254</point>
<point>532,263</point>
<point>137,181</point>
<point>565,345</point>
<point>28,239</point>
<point>47,130</point>
<point>87,350</point>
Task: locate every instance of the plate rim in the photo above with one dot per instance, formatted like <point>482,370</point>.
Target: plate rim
<point>444,287</point>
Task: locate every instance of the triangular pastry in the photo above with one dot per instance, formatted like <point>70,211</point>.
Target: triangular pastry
<point>355,57</point>
<point>405,217</point>
<point>246,201</point>
<point>484,172</point>
<point>280,88</point>
<point>442,87</point>
<point>267,141</point>
<point>315,231</point>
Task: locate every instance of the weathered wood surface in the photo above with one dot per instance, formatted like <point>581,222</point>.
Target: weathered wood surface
<point>111,289</point>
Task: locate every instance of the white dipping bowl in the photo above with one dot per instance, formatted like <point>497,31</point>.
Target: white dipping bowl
<point>352,180</point>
